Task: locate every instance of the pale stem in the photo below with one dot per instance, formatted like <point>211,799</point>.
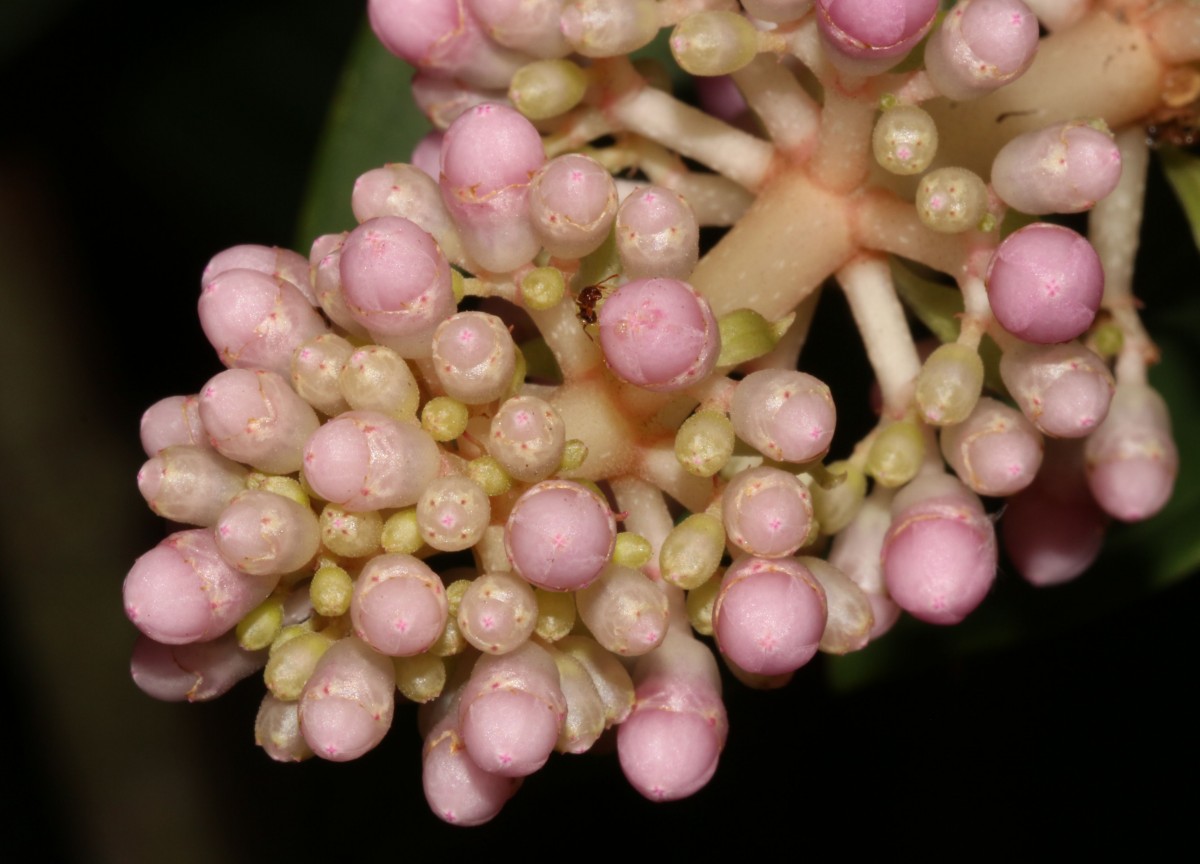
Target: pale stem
<point>661,117</point>
<point>977,311</point>
<point>1114,226</point>
<point>715,200</point>
<point>792,237</point>
<point>575,352</point>
<point>658,466</point>
<point>886,223</point>
<point>647,514</point>
<point>843,155</point>
<point>867,282</point>
<point>789,115</point>
<point>804,43</point>
<point>714,393</point>
<point>573,132</point>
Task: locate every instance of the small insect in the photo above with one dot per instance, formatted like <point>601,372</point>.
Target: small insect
<point>589,298</point>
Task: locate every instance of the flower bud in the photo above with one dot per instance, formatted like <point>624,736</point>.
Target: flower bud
<point>767,512</point>
<point>474,357</point>
<point>659,334</point>
<point>657,235</point>
<point>559,535</point>
<point>399,606</point>
<point>1045,283</point>
<point>346,707</point>
<point>788,416</point>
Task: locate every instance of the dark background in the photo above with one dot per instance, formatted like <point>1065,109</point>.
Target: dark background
<point>139,139</point>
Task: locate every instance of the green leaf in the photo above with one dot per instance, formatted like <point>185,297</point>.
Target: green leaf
<point>373,120</point>
<point>937,306</point>
<point>1183,173</point>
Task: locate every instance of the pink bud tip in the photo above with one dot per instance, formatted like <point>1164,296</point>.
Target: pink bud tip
<point>769,615</point>
<point>1045,283</point>
<point>939,557</point>
<point>560,535</point>
<point>659,334</point>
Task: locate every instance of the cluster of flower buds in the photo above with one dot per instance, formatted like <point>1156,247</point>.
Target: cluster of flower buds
<point>516,442</point>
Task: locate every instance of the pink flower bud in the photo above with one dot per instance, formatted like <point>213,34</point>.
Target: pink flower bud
<point>624,610</point>
<point>981,46</point>
<point>559,535</point>
<point>170,421</point>
<point>1053,530</point>
<point>788,416</point>
<point>489,155</point>
<point>363,460</point>
<point>197,672</point>
<point>255,320</point>
<point>396,283</point>
<point>512,710</point>
<point>871,36</point>
<point>995,451</point>
<point>459,791</point>
<point>474,357</point>
<point>498,612</point>
<point>326,258</point>
<point>573,202</point>
<point>190,485</point>
<point>183,591</point>
<point>659,334</point>
<point>670,744</point>
<point>1131,459</point>
<point>269,260</point>
<point>443,37</point>
<point>253,416</point>
<point>1045,283</point>
<point>767,512</point>
<point>657,235</point>
<point>399,607</point>
<point>346,706</point>
<point>769,615</point>
<point>531,26</point>
<point>1065,390</point>
<point>939,557</point>
<point>1065,168</point>
<point>262,533</point>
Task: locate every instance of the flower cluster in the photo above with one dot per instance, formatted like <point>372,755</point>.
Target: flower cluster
<point>516,442</point>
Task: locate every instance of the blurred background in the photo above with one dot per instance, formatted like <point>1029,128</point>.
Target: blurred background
<point>138,140</point>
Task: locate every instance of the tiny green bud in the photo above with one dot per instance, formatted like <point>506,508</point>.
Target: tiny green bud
<point>835,505</point>
<point>1107,340</point>
<point>261,625</point>
<point>351,535</point>
<point>692,550</point>
<point>547,88</point>
<point>420,677</point>
<point>292,664</point>
<point>949,384</point>
<point>700,602</point>
<point>631,550</point>
<point>714,43</point>
<point>444,418</point>
<point>575,453</point>
<point>490,475</point>
<point>704,443</point>
<point>288,487</point>
<point>543,288</point>
<point>330,591</point>
<point>556,614</point>
<point>457,286</point>
<point>401,533</point>
<point>896,454</point>
<point>951,200</point>
<point>451,641</point>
